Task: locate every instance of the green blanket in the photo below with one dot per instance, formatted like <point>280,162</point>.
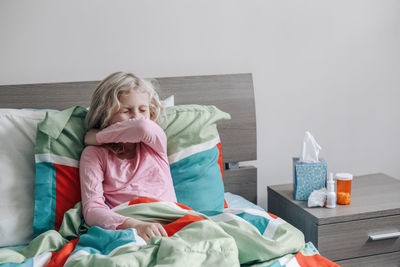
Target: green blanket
<point>232,237</point>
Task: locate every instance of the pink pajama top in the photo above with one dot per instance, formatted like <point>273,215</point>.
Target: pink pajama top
<point>107,181</point>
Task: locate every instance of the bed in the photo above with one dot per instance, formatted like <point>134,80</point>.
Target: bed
<point>242,233</point>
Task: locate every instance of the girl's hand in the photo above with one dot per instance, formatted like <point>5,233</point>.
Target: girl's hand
<point>90,137</point>
<point>145,230</point>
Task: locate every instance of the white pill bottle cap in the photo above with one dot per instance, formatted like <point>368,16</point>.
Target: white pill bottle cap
<point>344,176</point>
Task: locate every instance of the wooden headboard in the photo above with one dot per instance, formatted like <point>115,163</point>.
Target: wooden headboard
<point>232,93</point>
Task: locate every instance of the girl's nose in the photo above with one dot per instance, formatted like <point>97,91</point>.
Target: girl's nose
<point>135,115</point>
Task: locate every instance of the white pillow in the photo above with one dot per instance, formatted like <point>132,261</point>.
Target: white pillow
<point>168,102</point>
<point>17,174</point>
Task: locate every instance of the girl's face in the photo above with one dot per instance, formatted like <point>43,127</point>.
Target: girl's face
<point>134,105</point>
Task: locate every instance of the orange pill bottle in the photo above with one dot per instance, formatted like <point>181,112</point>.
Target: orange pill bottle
<point>343,188</point>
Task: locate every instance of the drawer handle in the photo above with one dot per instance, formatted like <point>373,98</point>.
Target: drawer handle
<point>384,236</point>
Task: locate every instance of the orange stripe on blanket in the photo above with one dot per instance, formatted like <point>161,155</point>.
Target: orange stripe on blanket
<point>142,200</point>
<point>225,204</point>
<point>183,206</point>
<point>273,215</point>
<point>314,261</point>
<point>177,225</point>
<point>60,257</point>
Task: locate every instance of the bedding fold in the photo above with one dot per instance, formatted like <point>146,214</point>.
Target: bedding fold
<point>232,237</point>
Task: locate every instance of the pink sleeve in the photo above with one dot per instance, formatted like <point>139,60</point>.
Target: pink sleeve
<point>95,211</point>
<point>135,131</point>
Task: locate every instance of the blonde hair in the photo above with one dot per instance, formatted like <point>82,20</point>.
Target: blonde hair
<point>105,99</point>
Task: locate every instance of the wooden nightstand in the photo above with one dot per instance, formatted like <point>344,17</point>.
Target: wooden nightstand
<point>343,234</point>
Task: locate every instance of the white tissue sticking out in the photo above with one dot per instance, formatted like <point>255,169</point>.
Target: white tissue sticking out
<point>310,149</point>
<point>317,198</point>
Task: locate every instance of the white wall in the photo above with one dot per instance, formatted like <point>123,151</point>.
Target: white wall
<point>331,67</point>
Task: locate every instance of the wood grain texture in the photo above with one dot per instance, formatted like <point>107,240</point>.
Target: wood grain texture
<point>386,260</point>
<point>242,181</point>
<point>232,93</point>
<point>47,95</point>
<point>351,239</point>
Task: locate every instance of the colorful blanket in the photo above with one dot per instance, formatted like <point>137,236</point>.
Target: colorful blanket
<point>232,237</point>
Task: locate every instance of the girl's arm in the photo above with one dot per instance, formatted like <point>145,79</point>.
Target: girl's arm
<point>132,131</point>
<point>94,209</point>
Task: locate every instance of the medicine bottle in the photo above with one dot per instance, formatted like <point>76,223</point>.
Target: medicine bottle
<point>344,188</point>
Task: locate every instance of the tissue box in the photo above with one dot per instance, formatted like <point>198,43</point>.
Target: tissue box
<point>308,177</point>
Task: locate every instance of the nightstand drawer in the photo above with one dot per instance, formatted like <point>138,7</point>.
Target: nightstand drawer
<point>387,260</point>
<point>351,239</point>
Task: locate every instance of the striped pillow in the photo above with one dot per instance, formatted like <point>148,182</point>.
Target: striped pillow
<point>195,156</point>
<point>59,143</point>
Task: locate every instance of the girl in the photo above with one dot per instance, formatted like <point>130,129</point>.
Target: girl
<point>126,156</point>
